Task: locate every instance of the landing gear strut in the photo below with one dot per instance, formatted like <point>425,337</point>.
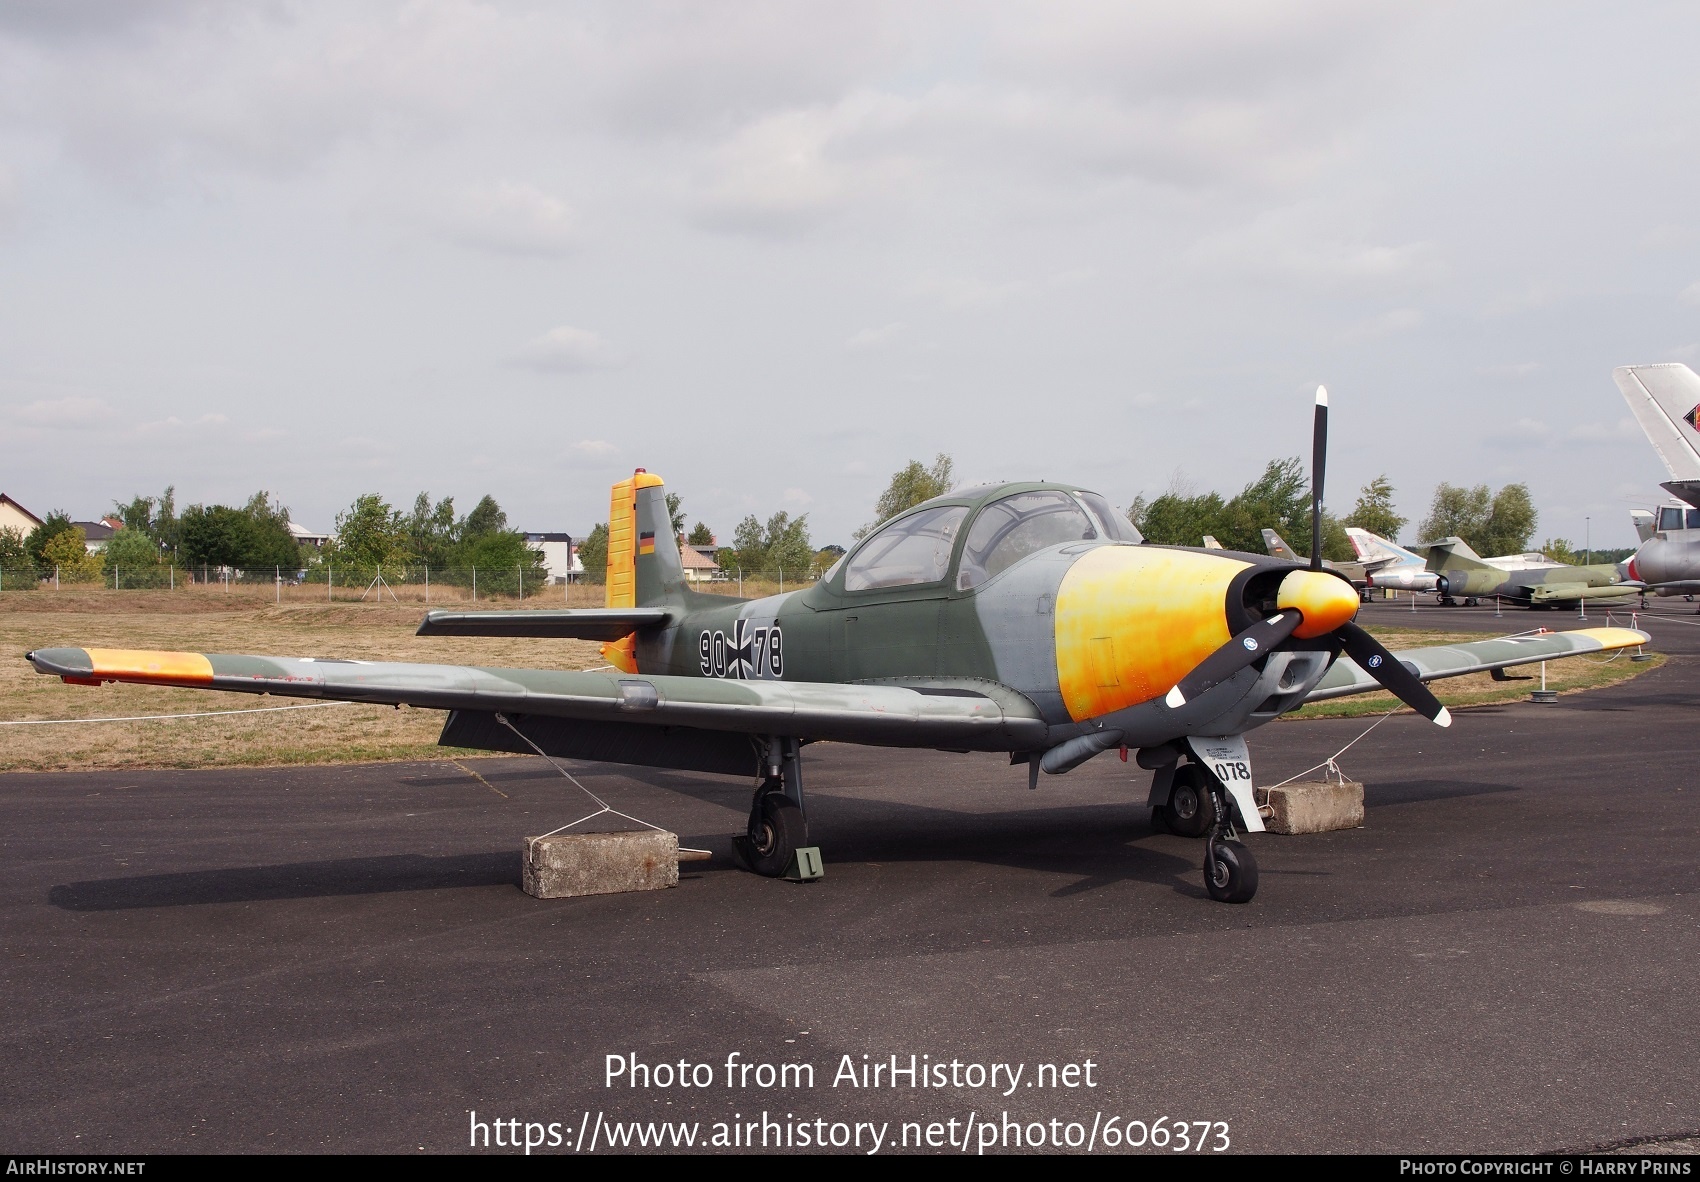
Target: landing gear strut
<point>777,827</point>
<point>1230,872</point>
<point>1191,810</point>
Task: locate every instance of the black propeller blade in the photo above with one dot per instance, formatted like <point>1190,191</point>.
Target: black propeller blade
<point>1382,665</point>
<point>1242,650</point>
<point>1318,462</point>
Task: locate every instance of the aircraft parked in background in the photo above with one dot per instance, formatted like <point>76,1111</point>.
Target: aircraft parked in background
<point>1665,400</point>
<point>1355,573</point>
<point>1398,567</point>
<point>1462,574</point>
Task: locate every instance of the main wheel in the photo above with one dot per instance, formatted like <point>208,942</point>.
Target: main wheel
<point>776,830</point>
<point>1191,811</point>
<point>1230,872</point>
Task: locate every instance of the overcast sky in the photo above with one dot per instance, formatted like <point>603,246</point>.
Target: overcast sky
<point>772,251</point>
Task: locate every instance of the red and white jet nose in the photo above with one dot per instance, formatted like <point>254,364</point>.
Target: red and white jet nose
<point>1325,601</point>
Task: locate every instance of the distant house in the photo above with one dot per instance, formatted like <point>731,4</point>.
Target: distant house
<point>700,566</point>
<point>15,516</point>
<point>307,537</point>
<point>560,556</point>
<point>97,533</point>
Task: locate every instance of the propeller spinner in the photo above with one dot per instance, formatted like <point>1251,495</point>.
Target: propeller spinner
<point>1313,603</point>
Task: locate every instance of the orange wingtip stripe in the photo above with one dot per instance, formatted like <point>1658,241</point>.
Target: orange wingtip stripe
<point>125,664</point>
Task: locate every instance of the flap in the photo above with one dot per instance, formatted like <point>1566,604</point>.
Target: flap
<point>585,623</point>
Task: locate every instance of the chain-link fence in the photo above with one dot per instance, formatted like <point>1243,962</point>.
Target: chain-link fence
<point>330,583</point>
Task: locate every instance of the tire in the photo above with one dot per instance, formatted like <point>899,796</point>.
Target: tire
<point>777,829</point>
<point>1191,811</point>
<point>1230,872</point>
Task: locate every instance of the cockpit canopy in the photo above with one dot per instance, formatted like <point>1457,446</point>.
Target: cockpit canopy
<point>917,547</point>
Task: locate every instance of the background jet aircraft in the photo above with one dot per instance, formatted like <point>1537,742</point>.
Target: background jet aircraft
<point>1355,573</point>
<point>1462,574</point>
<point>1021,618</point>
<point>1665,400</point>
<point>1398,567</point>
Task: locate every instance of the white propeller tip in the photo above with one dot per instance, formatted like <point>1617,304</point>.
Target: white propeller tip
<point>1322,395</point>
<point>1174,699</point>
<point>1444,718</point>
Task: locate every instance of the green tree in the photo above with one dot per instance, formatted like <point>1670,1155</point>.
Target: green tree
<point>55,523</point>
<point>135,557</point>
<point>1374,510</point>
<point>676,514</point>
<point>1511,521</point>
<point>17,568</point>
<point>1279,500</point>
<point>1491,523</point>
<point>701,535</point>
<point>432,531</point>
<point>505,564</point>
<point>749,545</point>
<point>787,545</point>
<point>156,517</point>
<point>67,553</point>
<point>1177,518</point>
<point>593,554</point>
<point>1560,550</point>
<point>910,485</point>
<point>370,533</point>
<point>486,518</point>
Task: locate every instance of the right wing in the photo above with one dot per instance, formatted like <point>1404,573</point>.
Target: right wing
<point>1344,677</point>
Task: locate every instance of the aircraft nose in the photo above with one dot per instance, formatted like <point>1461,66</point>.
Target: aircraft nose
<point>1325,601</point>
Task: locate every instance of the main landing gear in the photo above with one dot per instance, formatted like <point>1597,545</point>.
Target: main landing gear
<point>1198,806</point>
<point>777,827</point>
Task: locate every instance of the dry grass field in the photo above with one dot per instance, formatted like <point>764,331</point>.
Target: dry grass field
<point>250,621</point>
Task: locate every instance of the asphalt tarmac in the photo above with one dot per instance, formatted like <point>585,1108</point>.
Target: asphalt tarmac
<point>1502,959</point>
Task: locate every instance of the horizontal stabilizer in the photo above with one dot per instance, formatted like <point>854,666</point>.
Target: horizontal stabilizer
<point>1687,491</point>
<point>589,623</point>
<point>1344,677</point>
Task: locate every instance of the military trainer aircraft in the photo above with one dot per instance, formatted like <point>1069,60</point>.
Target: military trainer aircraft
<point>1020,618</point>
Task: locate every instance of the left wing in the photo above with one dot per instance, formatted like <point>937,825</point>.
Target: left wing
<point>977,715</point>
<point>1477,656</point>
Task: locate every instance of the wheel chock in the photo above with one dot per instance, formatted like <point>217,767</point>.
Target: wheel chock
<point>805,865</point>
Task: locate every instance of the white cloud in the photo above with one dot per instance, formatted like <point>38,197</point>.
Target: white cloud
<point>172,425</point>
<point>569,350</point>
<point>961,291</point>
<point>1520,434</point>
<point>1690,294</point>
<point>514,219</point>
<point>1622,429</point>
<point>595,447</point>
<point>876,338</point>
<point>797,497</point>
<point>64,413</point>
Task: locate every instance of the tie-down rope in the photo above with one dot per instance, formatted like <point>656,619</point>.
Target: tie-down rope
<point>606,807</point>
<point>1329,762</point>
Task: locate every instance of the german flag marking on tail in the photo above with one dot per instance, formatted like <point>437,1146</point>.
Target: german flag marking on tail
<point>646,543</point>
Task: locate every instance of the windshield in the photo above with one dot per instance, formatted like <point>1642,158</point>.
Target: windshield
<point>1010,529</point>
<point>1114,524</point>
<point>913,549</point>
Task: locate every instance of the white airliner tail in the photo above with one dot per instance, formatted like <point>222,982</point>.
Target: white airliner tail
<point>1373,547</point>
<point>1665,400</point>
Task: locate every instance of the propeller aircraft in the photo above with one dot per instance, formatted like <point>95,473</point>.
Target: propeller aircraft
<point>1029,619</point>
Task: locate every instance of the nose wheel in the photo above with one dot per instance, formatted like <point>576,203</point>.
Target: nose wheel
<point>1230,872</point>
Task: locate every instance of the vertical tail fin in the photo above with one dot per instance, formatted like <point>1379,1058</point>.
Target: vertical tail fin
<point>1666,402</point>
<point>1454,553</point>
<point>1643,522</point>
<point>1277,548</point>
<point>644,567</point>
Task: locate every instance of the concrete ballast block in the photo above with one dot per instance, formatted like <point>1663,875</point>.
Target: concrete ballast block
<point>1316,806</point>
<point>569,864</point>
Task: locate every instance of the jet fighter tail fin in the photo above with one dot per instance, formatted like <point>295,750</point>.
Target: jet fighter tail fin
<point>1643,521</point>
<point>644,567</point>
<point>1454,553</point>
<point>1373,547</point>
<point>1665,400</point>
<point>1277,548</point>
